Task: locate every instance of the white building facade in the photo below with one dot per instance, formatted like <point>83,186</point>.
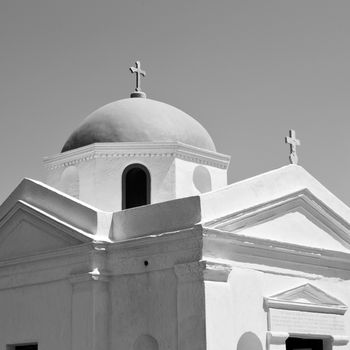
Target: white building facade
<point>136,242</point>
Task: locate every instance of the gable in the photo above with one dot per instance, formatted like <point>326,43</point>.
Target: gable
<point>25,232</point>
<point>306,298</point>
<point>297,228</point>
<point>61,207</point>
<point>299,219</point>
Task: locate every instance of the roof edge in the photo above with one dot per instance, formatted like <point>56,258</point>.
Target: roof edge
<point>158,218</point>
<point>265,188</point>
<point>59,205</point>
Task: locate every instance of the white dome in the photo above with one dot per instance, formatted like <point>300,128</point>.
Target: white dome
<point>139,120</point>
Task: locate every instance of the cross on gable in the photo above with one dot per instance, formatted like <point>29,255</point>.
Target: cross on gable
<point>293,143</point>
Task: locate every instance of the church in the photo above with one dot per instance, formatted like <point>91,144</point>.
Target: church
<point>137,242</point>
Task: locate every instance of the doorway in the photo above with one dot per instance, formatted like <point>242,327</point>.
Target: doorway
<point>304,344</point>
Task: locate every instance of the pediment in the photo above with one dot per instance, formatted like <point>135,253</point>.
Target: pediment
<point>299,219</point>
<point>306,298</point>
<point>25,231</point>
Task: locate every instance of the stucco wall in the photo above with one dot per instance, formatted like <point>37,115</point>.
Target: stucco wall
<point>39,313</point>
<point>238,305</point>
<point>100,180</point>
<point>190,181</point>
<point>108,180</point>
<point>144,304</point>
<point>177,170</point>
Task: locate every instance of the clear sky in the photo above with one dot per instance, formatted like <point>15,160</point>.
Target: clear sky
<point>248,70</point>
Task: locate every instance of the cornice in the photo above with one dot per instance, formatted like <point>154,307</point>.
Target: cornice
<point>279,338</point>
<point>91,276</point>
<point>216,272</point>
<point>43,268</point>
<point>137,149</point>
<point>188,272</point>
<point>76,250</point>
<point>160,251</point>
<point>168,241</point>
<point>58,207</point>
<point>302,200</point>
<point>264,250</point>
<point>202,270</point>
<point>69,233</point>
<point>286,305</point>
<point>267,210</point>
<point>60,264</point>
<point>340,340</point>
<point>306,298</point>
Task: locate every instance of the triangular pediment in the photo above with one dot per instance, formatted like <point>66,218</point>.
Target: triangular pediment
<point>306,298</point>
<point>299,219</point>
<point>25,231</point>
<point>61,207</point>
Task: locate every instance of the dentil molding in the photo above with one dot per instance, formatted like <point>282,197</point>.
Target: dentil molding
<point>135,149</point>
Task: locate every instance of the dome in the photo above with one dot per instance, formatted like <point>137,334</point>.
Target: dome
<point>139,120</point>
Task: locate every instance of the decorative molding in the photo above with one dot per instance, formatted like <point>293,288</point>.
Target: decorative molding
<point>216,272</point>
<point>43,268</point>
<point>136,149</point>
<point>67,232</point>
<point>340,340</point>
<point>94,275</point>
<point>306,298</point>
<point>281,304</point>
<point>207,270</point>
<point>161,251</point>
<point>302,200</point>
<point>223,233</point>
<point>279,338</point>
<point>190,271</point>
<point>276,338</point>
<point>305,312</point>
<point>186,240</point>
<point>234,246</point>
<point>47,255</point>
<point>59,207</point>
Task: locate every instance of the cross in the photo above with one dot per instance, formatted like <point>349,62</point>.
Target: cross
<point>138,72</point>
<point>293,143</point>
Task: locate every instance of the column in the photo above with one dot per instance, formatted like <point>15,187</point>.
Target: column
<point>190,306</point>
<point>90,304</point>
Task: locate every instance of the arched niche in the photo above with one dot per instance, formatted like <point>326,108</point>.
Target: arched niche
<point>136,186</point>
<point>146,342</point>
<point>202,179</point>
<point>70,181</point>
<point>249,340</point>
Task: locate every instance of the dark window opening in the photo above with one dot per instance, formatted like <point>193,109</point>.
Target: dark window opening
<point>304,343</point>
<point>136,186</point>
<point>23,347</point>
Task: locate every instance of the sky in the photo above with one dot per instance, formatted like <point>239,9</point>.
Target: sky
<point>247,70</point>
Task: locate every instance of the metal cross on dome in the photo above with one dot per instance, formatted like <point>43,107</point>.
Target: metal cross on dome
<point>293,143</point>
<point>138,72</point>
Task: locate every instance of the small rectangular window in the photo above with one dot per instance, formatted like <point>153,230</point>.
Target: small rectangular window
<point>304,344</point>
<point>31,346</point>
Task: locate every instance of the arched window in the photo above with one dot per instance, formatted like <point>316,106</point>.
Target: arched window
<point>136,186</point>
